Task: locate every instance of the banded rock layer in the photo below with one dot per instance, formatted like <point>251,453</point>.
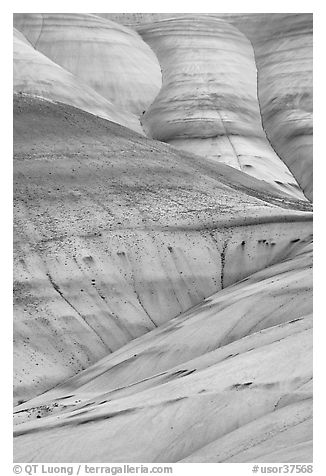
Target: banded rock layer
<point>111,59</point>
<point>282,45</point>
<point>283,50</point>
<point>37,75</point>
<point>208,102</point>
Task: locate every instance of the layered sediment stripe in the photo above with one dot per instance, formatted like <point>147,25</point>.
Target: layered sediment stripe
<point>37,75</point>
<point>208,102</point>
<point>282,45</point>
<point>110,58</point>
<point>283,50</point>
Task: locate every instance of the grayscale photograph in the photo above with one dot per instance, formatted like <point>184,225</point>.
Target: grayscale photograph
<point>162,243</point>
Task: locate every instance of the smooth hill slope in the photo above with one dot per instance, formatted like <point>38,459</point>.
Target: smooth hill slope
<point>192,391</point>
<point>169,423</point>
<point>273,296</point>
<point>36,74</point>
<point>110,58</point>
<point>283,48</point>
<point>208,103</point>
<point>116,234</point>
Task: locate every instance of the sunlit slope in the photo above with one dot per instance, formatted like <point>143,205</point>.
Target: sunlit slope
<point>116,234</point>
<point>200,411</point>
<point>37,75</point>
<point>108,57</point>
<point>228,381</point>
<point>282,46</point>
<point>208,103</point>
<point>221,326</point>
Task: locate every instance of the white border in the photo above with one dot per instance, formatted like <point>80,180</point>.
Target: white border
<point>319,190</point>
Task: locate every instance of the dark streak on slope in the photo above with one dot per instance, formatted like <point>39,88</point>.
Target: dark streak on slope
<point>57,289</point>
